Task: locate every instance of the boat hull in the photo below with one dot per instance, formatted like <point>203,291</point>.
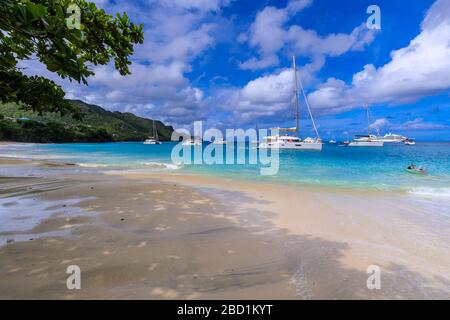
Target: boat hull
<point>191,144</point>
<point>366,144</point>
<point>152,142</point>
<point>392,140</point>
<point>317,146</point>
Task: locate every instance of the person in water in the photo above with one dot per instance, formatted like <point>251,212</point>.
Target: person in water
<point>412,166</point>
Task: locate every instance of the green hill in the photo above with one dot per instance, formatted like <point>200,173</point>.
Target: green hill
<point>98,125</point>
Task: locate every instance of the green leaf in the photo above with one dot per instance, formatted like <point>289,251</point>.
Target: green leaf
<point>36,10</point>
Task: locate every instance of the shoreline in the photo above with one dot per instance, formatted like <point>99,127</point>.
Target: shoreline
<point>311,243</point>
<point>133,171</point>
<point>395,180</point>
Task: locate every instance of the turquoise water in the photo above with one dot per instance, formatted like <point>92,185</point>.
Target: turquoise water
<point>379,168</point>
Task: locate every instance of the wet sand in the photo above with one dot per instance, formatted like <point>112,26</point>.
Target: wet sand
<point>173,236</point>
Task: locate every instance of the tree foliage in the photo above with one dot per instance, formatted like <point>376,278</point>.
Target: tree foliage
<point>40,29</point>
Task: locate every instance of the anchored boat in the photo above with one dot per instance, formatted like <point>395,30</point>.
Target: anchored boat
<point>366,140</point>
<point>294,142</point>
<point>154,138</point>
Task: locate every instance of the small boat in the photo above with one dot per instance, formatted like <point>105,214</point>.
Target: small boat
<point>344,143</point>
<point>219,141</point>
<point>192,142</point>
<point>153,139</point>
<point>416,170</point>
<point>332,142</point>
<point>410,142</point>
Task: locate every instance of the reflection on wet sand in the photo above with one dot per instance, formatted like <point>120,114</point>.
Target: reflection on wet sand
<point>154,239</point>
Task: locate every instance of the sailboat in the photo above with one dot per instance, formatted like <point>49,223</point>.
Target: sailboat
<point>293,141</point>
<point>154,138</point>
<point>366,140</point>
<point>219,141</point>
<point>192,142</point>
<point>332,140</point>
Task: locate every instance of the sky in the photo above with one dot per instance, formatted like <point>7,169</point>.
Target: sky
<point>228,63</point>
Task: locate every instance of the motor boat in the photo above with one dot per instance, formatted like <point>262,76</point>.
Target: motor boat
<point>366,141</point>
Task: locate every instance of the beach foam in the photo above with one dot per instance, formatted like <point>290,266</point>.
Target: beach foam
<point>441,193</point>
<point>168,166</point>
<point>93,165</point>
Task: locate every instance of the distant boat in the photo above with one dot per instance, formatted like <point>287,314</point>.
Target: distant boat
<point>219,141</point>
<point>192,142</point>
<point>392,138</point>
<point>367,140</point>
<point>332,140</point>
<point>151,141</point>
<point>154,138</point>
<point>410,142</point>
<point>293,141</point>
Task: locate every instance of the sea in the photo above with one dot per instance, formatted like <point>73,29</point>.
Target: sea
<point>370,168</point>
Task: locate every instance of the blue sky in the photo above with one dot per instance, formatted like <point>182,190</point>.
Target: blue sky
<point>227,62</point>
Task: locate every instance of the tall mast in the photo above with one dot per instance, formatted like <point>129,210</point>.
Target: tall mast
<point>368,119</point>
<point>297,129</point>
<point>308,107</point>
<point>155,132</point>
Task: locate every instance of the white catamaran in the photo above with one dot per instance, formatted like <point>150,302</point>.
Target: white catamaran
<point>366,140</point>
<point>153,139</point>
<point>291,141</point>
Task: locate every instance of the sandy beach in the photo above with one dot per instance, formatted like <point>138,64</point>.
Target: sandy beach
<point>178,236</point>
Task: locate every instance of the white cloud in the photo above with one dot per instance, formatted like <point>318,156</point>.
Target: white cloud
<point>270,35</point>
<point>379,123</point>
<point>267,33</point>
<point>269,89</point>
<point>420,69</point>
<point>295,6</point>
<point>420,124</point>
<point>167,42</point>
<point>262,98</point>
<point>309,43</point>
